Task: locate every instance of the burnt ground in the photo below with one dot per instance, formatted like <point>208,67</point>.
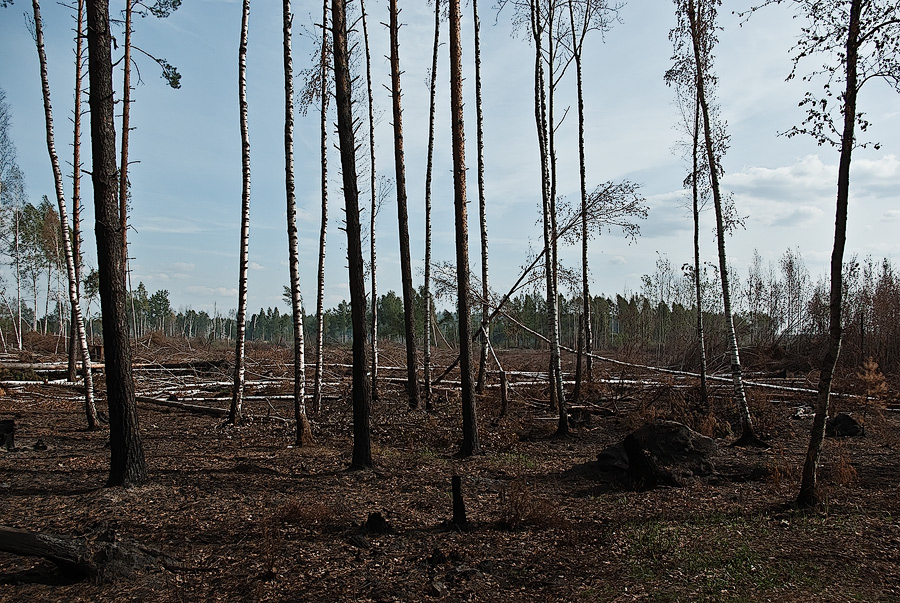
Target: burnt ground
<point>252,518</point>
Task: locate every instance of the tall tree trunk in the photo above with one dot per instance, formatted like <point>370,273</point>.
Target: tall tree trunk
<point>127,464</point>
<point>304,432</point>
<point>320,283</point>
<point>234,415</point>
<point>747,434</point>
<point>126,126</point>
<point>428,170</point>
<point>470,442</point>
<point>89,407</point>
<point>545,137</point>
<point>809,495</point>
<point>373,264</point>
<point>482,217</point>
<point>409,316</point>
<point>76,183</point>
<point>362,442</point>
<point>587,372</point>
<point>698,285</point>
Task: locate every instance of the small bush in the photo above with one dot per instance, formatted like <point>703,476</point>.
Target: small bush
<point>521,508</point>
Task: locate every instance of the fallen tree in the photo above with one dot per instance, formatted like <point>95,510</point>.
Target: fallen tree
<point>104,557</point>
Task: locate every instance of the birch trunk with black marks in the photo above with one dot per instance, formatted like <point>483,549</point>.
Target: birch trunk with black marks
<point>304,431</point>
<point>234,415</point>
<point>89,406</point>
<point>699,29</point>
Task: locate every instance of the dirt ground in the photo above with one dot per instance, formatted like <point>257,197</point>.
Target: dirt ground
<point>252,518</point>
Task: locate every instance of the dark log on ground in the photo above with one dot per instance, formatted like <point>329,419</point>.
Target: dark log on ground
<point>194,408</point>
<point>104,557</point>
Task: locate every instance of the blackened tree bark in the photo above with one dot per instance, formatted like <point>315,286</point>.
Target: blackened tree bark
<point>373,260</point>
<point>76,182</point>
<point>304,432</point>
<point>323,150</point>
<point>127,464</point>
<point>470,442</point>
<point>482,210</point>
<point>428,171</point>
<point>859,39</point>
<point>409,316</point>
<point>362,443</point>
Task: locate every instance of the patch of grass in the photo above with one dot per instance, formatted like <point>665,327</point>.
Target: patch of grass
<point>521,508</point>
<point>713,558</point>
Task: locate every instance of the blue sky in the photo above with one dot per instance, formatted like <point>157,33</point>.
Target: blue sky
<point>187,184</point>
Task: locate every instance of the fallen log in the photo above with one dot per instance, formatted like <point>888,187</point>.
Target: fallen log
<point>104,557</point>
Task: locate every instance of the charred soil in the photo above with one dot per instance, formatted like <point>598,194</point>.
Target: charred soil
<point>249,517</point>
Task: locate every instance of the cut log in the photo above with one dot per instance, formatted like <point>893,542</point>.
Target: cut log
<point>104,558</point>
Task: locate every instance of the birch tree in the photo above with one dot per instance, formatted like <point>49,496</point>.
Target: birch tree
<point>482,210</point>
<point>695,34</point>
<point>304,432</point>
<point>234,415</point>
<point>585,16</point>
<point>89,407</point>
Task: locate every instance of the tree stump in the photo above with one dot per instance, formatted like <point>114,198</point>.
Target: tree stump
<point>459,520</point>
<point>7,433</point>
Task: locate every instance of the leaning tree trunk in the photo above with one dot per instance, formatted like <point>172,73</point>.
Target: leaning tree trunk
<point>809,495</point>
<point>470,443</point>
<point>304,432</point>
<point>409,315</point>
<point>89,407</point>
<point>76,182</point>
<point>482,217</point>
<point>428,170</point>
<point>234,416</point>
<point>320,283</point>
<point>362,441</point>
<point>748,435</point>
<point>127,465</point>
<point>374,201</point>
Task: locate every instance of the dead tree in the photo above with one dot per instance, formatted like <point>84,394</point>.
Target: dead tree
<point>362,441</point>
<point>409,317</point>
<point>470,442</point>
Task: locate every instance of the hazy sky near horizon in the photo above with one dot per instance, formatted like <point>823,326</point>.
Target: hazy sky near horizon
<point>186,182</point>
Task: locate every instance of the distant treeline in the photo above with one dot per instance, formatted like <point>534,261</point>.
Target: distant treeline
<point>778,306</point>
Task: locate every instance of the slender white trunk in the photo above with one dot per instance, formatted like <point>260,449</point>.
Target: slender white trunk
<point>90,409</point>
<point>234,415</point>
